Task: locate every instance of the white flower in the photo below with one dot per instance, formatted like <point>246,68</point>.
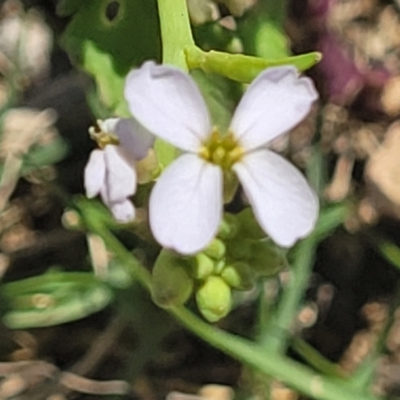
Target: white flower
<point>186,204</point>
<point>111,172</point>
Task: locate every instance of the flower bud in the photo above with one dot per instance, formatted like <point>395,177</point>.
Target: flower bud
<point>215,250</point>
<point>238,275</point>
<point>214,298</point>
<point>203,267</point>
<point>171,282</point>
<point>219,266</point>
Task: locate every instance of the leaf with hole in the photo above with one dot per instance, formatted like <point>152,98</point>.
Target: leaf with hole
<point>108,38</point>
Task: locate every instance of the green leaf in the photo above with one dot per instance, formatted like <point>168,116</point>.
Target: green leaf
<point>265,44</point>
<point>107,48</point>
<point>243,68</point>
<point>53,298</point>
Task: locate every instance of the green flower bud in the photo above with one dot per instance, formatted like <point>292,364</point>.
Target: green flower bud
<point>218,267</point>
<point>171,282</point>
<point>203,266</point>
<point>214,298</point>
<point>216,249</point>
<point>238,275</point>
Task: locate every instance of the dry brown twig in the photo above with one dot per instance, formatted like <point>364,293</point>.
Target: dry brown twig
<point>20,376</point>
<point>22,129</point>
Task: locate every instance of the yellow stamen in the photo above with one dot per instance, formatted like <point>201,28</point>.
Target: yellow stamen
<point>204,153</point>
<point>218,155</point>
<point>222,150</point>
<point>102,138</point>
<point>236,154</point>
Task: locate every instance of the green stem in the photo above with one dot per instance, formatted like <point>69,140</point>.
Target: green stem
<point>275,365</point>
<point>92,223</point>
<point>276,335</point>
<point>280,367</point>
<point>176,33</point>
<point>315,359</point>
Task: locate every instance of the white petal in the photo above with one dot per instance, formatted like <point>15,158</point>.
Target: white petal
<point>167,102</point>
<point>108,125</point>
<point>283,202</point>
<point>186,204</point>
<point>135,140</point>
<point>275,102</point>
<point>94,174</point>
<point>120,180</point>
<point>123,211</point>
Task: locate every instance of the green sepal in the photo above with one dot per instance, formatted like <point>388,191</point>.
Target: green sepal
<point>214,298</point>
<point>266,258</point>
<point>249,245</point>
<point>172,284</point>
<point>247,225</point>
<point>228,227</point>
<point>262,255</point>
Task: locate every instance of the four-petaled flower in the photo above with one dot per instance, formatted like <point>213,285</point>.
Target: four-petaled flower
<point>110,170</point>
<point>186,203</point>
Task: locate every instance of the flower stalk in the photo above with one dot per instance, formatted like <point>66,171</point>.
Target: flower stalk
<point>252,354</point>
<point>176,34</point>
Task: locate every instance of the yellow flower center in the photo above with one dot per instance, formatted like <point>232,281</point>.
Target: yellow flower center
<point>222,150</point>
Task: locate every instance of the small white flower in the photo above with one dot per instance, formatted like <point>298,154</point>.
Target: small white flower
<point>186,204</point>
<point>111,172</point>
